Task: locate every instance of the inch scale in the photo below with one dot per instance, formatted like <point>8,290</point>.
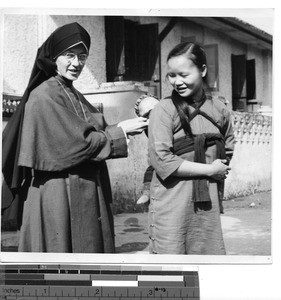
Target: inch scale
<point>85,282</point>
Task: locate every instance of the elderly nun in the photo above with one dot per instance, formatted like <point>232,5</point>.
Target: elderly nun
<point>54,152</point>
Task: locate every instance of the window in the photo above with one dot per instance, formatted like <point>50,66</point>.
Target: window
<point>251,79</point>
<point>213,67</point>
<point>243,82</point>
<point>132,50</point>
<point>114,38</point>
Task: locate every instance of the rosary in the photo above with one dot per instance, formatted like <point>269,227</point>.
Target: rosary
<point>72,100</point>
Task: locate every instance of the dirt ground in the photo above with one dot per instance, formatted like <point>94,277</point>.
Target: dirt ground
<point>246,224</point>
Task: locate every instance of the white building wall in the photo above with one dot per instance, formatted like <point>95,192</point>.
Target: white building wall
<point>267,80</point>
<point>171,40</point>
<point>224,62</point>
<point>256,54</point>
<point>24,34</point>
<point>19,51</point>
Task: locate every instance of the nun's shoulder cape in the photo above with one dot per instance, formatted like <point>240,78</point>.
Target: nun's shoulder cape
<point>44,67</point>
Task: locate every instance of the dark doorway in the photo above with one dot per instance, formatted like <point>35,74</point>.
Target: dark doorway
<point>238,65</point>
<point>243,82</point>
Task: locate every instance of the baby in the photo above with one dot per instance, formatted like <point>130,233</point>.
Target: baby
<point>143,107</point>
<point>145,104</point>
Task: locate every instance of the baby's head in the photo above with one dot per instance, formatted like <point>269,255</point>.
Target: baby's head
<point>145,104</point>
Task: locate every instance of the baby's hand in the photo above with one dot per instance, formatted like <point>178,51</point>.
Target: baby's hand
<point>143,199</point>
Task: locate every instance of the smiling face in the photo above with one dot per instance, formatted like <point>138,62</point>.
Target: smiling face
<point>71,68</point>
<point>185,77</point>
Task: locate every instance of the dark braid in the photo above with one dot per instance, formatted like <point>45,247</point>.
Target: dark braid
<point>183,110</point>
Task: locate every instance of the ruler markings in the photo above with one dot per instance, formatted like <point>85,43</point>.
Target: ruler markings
<point>174,292</point>
<point>191,280</point>
<point>147,292</point>
<point>67,282</point>
<point>188,292</point>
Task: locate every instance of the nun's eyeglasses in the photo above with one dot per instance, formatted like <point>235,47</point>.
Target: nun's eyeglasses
<point>70,56</point>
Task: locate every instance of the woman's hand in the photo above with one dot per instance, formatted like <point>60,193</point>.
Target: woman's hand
<point>134,126</point>
<point>219,169</point>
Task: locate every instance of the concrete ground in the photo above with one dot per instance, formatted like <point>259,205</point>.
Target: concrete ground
<point>246,226</point>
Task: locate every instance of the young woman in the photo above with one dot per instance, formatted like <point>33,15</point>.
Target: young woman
<point>189,136</point>
<point>54,152</point>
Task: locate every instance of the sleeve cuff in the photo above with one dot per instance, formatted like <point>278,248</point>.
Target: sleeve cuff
<point>169,168</point>
<point>127,139</point>
<point>118,139</point>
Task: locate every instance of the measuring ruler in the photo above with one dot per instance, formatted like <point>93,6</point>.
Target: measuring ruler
<point>85,282</point>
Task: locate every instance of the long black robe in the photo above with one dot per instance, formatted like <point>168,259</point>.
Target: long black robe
<point>68,202</point>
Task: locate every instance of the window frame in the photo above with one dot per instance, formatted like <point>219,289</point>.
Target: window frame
<point>212,54</point>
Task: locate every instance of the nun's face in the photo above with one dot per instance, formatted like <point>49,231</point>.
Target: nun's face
<point>71,62</point>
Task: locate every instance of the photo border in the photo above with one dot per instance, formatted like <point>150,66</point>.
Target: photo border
<point>15,257</point>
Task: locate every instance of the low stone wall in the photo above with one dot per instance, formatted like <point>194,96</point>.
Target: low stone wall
<point>251,163</point>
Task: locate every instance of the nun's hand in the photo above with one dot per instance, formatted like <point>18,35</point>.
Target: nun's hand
<point>134,126</point>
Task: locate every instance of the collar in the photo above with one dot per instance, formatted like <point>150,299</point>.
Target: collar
<point>64,81</point>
